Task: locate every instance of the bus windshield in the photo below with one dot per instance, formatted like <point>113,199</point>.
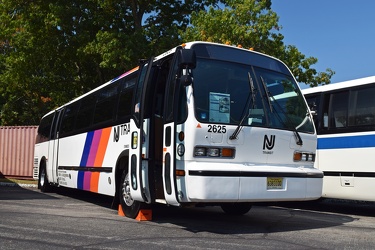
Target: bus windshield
<point>228,92</point>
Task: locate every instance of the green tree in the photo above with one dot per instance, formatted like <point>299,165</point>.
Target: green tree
<point>253,24</point>
<point>53,51</point>
<point>43,66</point>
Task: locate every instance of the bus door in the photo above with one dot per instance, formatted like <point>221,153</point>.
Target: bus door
<point>169,164</point>
<point>139,148</point>
<point>183,60</point>
<point>53,146</point>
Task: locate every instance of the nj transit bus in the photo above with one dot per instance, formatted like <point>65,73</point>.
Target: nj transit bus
<point>201,124</point>
<point>345,122</point>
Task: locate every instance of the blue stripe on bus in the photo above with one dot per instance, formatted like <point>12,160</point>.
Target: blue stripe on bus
<point>85,156</point>
<point>360,141</point>
<point>86,149</point>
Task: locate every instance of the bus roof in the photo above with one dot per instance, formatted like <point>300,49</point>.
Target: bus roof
<point>340,85</point>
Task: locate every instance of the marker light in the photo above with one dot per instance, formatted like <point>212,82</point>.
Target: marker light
<point>180,172</point>
<point>134,139</point>
<point>227,152</point>
<point>181,136</point>
<point>297,156</point>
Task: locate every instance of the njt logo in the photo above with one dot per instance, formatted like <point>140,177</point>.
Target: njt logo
<point>268,143</point>
<point>120,130</point>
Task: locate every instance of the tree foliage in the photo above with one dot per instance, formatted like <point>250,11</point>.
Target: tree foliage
<point>54,51</point>
<point>252,24</point>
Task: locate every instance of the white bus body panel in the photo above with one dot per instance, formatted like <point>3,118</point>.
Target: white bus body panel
<point>350,160</point>
<point>102,152</point>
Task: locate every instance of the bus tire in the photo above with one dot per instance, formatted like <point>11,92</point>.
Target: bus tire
<point>129,206</point>
<point>43,183</point>
<point>236,208</point>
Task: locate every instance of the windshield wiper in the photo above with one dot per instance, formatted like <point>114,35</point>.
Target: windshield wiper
<point>246,108</point>
<point>269,96</point>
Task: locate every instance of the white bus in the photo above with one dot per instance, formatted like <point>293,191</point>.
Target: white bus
<point>203,123</point>
<point>345,122</point>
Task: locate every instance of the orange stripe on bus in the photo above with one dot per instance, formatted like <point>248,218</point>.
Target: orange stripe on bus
<point>94,182</point>
<point>102,148</point>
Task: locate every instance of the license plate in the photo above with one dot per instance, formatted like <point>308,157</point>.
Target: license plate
<point>274,182</point>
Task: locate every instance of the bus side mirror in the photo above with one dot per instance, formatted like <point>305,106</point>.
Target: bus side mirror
<point>187,59</point>
<point>186,80</point>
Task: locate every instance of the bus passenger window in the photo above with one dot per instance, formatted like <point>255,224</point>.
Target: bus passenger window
<point>362,105</point>
<point>125,103</point>
<point>68,120</point>
<point>339,110</point>
<point>85,113</point>
<point>325,120</point>
<point>105,105</point>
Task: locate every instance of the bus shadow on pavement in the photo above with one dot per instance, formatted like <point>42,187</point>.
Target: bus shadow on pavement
<point>260,219</point>
<point>347,207</point>
<point>86,196</point>
<point>17,192</point>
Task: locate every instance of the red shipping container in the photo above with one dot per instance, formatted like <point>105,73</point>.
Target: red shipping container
<point>17,150</point>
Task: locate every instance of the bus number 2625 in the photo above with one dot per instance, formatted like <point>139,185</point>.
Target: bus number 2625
<point>217,129</point>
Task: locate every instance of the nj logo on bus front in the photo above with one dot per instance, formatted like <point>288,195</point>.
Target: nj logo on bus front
<point>269,143</point>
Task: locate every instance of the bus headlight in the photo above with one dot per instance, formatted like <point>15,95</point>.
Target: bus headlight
<point>201,151</point>
<point>303,156</point>
<point>213,152</point>
<point>198,151</point>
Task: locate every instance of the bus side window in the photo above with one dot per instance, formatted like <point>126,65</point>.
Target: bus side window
<point>44,129</point>
<point>170,92</point>
<point>126,90</point>
<point>182,106</point>
<point>68,120</point>
<point>105,106</point>
<point>362,111</point>
<point>339,110</point>
<point>85,113</point>
<point>124,108</point>
<point>324,110</point>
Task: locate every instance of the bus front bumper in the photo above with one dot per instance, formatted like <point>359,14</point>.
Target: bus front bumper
<point>267,183</point>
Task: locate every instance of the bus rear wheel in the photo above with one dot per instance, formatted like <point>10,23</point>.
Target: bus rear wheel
<point>43,183</point>
<point>129,206</point>
<point>236,208</point>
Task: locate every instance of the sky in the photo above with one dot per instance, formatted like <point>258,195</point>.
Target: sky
<point>339,33</point>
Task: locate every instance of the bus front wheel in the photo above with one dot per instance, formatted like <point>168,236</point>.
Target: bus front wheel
<point>236,208</point>
<point>129,206</point>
